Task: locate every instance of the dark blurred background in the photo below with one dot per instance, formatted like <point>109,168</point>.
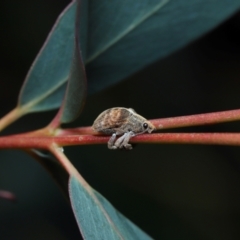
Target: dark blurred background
<point>171,191</point>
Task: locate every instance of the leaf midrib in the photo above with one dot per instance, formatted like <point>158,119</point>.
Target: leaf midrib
<point>46,94</point>
<point>129,29</point>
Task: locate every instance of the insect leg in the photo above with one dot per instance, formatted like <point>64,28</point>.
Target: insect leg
<point>126,140</point>
<point>123,141</point>
<point>120,140</point>
<point>111,141</point>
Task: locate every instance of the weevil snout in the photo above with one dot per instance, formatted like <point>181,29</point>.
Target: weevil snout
<point>151,127</point>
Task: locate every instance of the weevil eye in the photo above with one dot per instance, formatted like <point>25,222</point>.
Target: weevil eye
<point>145,125</point>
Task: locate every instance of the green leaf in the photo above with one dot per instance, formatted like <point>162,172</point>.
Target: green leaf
<point>77,84</point>
<point>43,88</point>
<point>45,84</point>
<point>123,37</point>
<point>97,218</point>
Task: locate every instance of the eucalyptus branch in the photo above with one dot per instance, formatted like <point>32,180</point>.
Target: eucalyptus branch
<point>67,165</point>
<point>197,119</point>
<point>11,117</point>
<point>46,137</point>
<point>161,138</point>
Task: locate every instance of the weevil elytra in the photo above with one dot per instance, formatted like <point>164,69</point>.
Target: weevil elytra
<point>121,121</point>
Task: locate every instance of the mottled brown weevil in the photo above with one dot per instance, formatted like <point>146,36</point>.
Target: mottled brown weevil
<point>121,121</point>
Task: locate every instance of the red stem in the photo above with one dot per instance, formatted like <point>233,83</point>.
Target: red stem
<point>55,123</point>
<point>11,117</point>
<point>85,135</point>
<point>177,138</point>
<point>197,119</point>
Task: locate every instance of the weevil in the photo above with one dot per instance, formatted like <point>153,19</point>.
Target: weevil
<point>121,121</point>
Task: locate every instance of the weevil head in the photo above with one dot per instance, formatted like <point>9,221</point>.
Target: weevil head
<point>148,127</point>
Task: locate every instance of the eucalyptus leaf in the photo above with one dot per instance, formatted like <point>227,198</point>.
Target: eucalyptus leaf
<point>100,220</point>
<point>45,83</point>
<point>77,84</point>
<point>123,37</point>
